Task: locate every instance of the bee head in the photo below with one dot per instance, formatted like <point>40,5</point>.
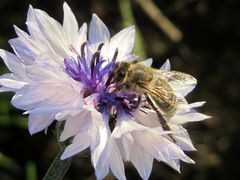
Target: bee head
<point>119,73</point>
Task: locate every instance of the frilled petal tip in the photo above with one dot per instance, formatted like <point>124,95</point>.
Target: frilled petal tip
<point>190,116</point>
<point>70,24</point>
<point>98,31</point>
<point>38,123</point>
<point>13,63</point>
<point>147,62</point>
<point>80,143</point>
<point>73,126</point>
<point>123,42</point>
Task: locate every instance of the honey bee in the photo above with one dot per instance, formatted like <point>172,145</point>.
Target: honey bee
<point>156,85</point>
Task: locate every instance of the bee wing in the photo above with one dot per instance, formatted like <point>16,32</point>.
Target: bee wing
<point>162,92</point>
<point>167,95</point>
<point>179,82</point>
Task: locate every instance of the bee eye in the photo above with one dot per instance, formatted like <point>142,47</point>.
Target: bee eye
<point>120,75</point>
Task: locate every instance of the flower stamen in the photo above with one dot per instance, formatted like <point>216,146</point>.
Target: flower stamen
<point>83,50</point>
<point>115,55</point>
<point>94,61</point>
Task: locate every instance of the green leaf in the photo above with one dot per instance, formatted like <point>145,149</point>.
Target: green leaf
<point>8,163</point>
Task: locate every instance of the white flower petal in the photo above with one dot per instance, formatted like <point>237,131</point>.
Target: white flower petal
<point>22,51</point>
<point>48,109</point>
<point>37,73</point>
<point>175,164</point>
<point>184,142</point>
<point>166,66</point>
<point>147,62</point>
<point>80,38</point>
<point>129,58</point>
<point>151,144</point>
<point>182,137</point>
<point>191,116</point>
<point>159,147</point>
<point>102,170</point>
<point>125,124</point>
<point>32,23</point>
<point>125,145</point>
<point>80,143</point>
<point>75,125</point>
<point>36,41</point>
<point>98,32</point>
<point>5,89</point>
<point>111,158</point>
<point>142,161</point>
<point>26,39</point>
<point>39,122</point>
<point>100,134</point>
<point>46,94</point>
<point>115,162</point>
<point>13,63</point>
<point>11,82</point>
<point>70,25</point>
<point>48,71</point>
<point>63,115</point>
<point>52,31</point>
<point>197,104</point>
<point>123,41</point>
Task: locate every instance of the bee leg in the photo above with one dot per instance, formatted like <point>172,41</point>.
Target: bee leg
<point>120,87</point>
<point>159,114</point>
<point>156,109</point>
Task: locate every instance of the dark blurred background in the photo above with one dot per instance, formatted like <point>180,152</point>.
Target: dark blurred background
<point>200,38</point>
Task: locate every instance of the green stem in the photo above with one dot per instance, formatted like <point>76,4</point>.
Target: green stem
<point>128,19</point>
<point>58,168</point>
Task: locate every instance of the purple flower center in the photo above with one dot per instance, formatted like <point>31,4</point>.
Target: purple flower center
<point>94,76</point>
